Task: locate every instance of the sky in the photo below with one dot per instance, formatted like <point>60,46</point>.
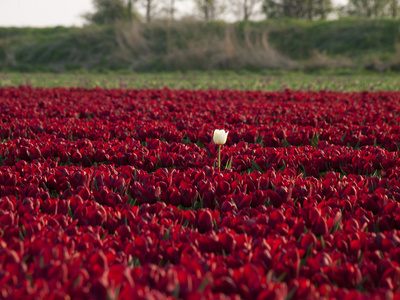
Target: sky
<point>50,13</point>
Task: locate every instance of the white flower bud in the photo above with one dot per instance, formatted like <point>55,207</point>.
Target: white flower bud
<point>220,136</point>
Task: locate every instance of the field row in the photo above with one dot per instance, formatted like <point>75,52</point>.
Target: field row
<point>268,81</point>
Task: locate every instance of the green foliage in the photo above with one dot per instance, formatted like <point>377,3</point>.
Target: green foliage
<point>186,46</point>
<point>298,9</point>
<point>353,38</point>
<point>208,8</point>
<point>110,12</point>
<point>371,8</point>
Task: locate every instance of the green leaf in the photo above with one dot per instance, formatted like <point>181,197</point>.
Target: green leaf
<point>336,227</point>
<point>259,139</point>
<point>21,236</point>
<point>186,224</point>
<point>69,189</point>
<point>376,226</point>
<point>215,225</point>
<point>224,253</point>
<point>362,281</point>
<point>96,186</point>
<point>200,144</point>
<point>199,204</point>
<point>175,293</point>
<point>286,143</point>
<point>281,277</point>
<point>70,212</point>
<point>228,164</point>
<point>203,285</point>
<point>29,277</point>
<point>41,262</point>
<point>24,230</point>
<point>291,293</point>
<point>323,242</point>
<point>357,145</point>
<point>166,234</point>
<point>302,170</point>
<point>315,140</point>
<point>283,167</point>
<point>117,290</point>
<point>135,262</point>
<point>256,166</point>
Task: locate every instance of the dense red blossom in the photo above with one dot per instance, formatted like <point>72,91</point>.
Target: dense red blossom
<point>116,194</point>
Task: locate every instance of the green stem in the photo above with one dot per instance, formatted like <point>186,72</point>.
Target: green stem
<point>219,157</point>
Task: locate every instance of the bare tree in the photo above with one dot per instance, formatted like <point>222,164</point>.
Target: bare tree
<point>394,6</point>
<point>245,9</point>
<point>285,8</point>
<point>210,9</point>
<point>320,9</point>
<point>170,9</point>
<point>272,9</point>
<point>369,8</point>
<point>150,8</point>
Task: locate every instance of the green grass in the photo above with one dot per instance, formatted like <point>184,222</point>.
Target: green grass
<point>206,80</point>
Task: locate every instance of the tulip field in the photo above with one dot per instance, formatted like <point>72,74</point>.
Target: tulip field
<point>118,194</point>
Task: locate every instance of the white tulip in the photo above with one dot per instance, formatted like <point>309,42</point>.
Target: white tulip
<point>220,136</point>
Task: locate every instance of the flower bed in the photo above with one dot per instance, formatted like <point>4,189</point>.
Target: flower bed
<point>117,193</point>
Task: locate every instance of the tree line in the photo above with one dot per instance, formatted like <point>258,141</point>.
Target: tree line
<point>110,11</point>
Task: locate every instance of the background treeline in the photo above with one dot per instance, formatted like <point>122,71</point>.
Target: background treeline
<point>109,11</point>
<point>193,45</point>
<point>146,35</point>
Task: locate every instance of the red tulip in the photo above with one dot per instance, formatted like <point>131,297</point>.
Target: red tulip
<point>204,221</point>
<point>275,198</point>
